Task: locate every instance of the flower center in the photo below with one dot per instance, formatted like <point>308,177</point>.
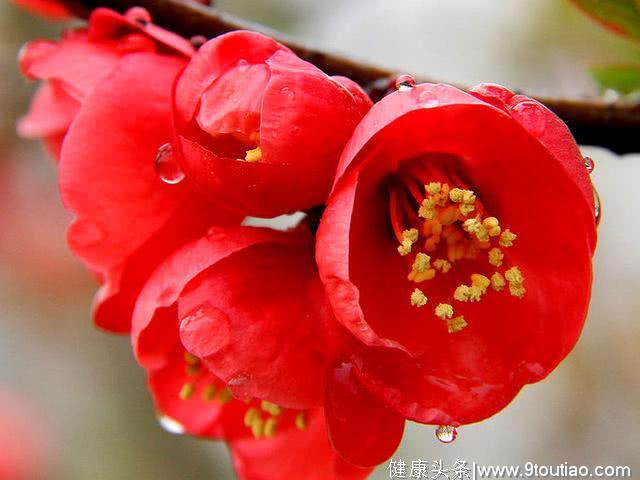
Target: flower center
<point>440,227</point>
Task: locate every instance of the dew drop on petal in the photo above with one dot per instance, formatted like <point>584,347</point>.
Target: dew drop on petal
<point>171,425</point>
<point>287,92</point>
<point>536,116</point>
<point>446,433</point>
<point>589,164</point>
<point>405,83</point>
<point>239,379</point>
<point>197,41</point>
<point>167,167</point>
<point>139,15</point>
<point>597,206</point>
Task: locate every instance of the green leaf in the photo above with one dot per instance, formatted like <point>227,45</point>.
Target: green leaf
<point>622,78</point>
<point>622,16</point>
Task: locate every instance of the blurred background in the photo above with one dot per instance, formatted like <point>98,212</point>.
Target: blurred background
<point>80,389</point>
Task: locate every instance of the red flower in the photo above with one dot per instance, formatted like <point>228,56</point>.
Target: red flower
<point>237,338</point>
<point>127,218</point>
<point>261,129</point>
<point>73,66</point>
<point>456,245</point>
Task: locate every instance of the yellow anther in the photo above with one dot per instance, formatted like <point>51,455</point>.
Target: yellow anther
<point>225,396</point>
<point>507,237</point>
<point>468,197</point>
<point>456,195</point>
<point>472,225</point>
<point>192,369</point>
<point>271,408</point>
<point>301,421</point>
<point>418,298</point>
<point>418,277</point>
<point>186,391</point>
<point>462,293</point>
<point>475,293</point>
<point>444,310</point>
<point>250,416</point>
<point>497,282</point>
<point>482,234</point>
<point>456,324</point>
<point>492,225</point>
<point>514,275</point>
<point>422,262</point>
<point>405,248</point>
<point>191,359</point>
<point>480,281</point>
<point>411,235</point>
<point>427,213</point>
<point>442,265</point>
<point>270,427</point>
<point>257,427</point>
<point>517,290</point>
<point>208,393</point>
<point>433,188</point>
<point>253,155</point>
<point>495,257</point>
<point>466,209</point>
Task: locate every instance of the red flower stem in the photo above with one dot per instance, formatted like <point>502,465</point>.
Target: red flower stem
<point>593,121</point>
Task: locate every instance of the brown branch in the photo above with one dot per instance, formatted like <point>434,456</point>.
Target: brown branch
<point>593,121</point>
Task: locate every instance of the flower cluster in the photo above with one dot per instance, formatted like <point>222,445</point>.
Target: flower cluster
<point>451,265</point>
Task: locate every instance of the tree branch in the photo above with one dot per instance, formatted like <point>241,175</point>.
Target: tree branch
<point>593,121</point>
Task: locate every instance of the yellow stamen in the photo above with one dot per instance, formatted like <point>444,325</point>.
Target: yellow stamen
<point>301,421</point>
<point>409,237</point>
<point>475,293</point>
<point>191,359</point>
<point>253,155</point>
<point>418,298</point>
<point>444,310</point>
<point>433,188</point>
<point>492,225</point>
<point>456,324</point>
<point>422,262</point>
<point>250,416</point>
<point>192,369</point>
<point>496,256</point>
<point>186,391</point>
<point>208,393</point>
<point>271,408</point>
<point>270,427</point>
<point>442,265</point>
<point>497,282</point>
<point>225,396</point>
<point>507,237</point>
<point>418,277</point>
<point>480,281</point>
<point>466,209</point>
<point>517,290</point>
<point>514,275</point>
<point>257,427</point>
<point>462,293</point>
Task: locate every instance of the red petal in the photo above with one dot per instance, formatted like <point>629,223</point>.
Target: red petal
<point>361,428</point>
<point>293,454</point>
<point>52,9</point>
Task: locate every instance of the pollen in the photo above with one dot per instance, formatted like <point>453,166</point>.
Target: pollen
<point>456,324</point>
<point>517,290</point>
<point>462,293</point>
<point>466,209</point>
<point>257,427</point>
<point>492,225</point>
<point>270,427</point>
<point>225,396</point>
<point>495,257</point>
<point>475,293</point>
<point>444,310</point>
<point>418,298</point>
<point>271,408</point>
<point>418,277</point>
<point>208,393</point>
<point>422,262</point>
<point>191,359</point>
<point>433,188</point>
<point>497,282</point>
<point>253,155</point>
<point>442,265</point>
<point>480,281</point>
<point>186,391</point>
<point>301,421</point>
<point>409,237</point>
<point>427,210</point>
<point>507,237</point>
<point>514,275</point>
<point>250,416</point>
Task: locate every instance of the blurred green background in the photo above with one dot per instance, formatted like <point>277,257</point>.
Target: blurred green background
<point>86,385</point>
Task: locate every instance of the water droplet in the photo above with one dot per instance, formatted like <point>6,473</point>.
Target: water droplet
<point>610,95</point>
<point>597,206</point>
<point>446,433</point>
<point>239,379</point>
<point>171,425</point>
<point>589,164</point>
<point>167,167</point>
<point>535,114</point>
<point>139,15</point>
<point>287,92</point>
<point>198,40</point>
<point>405,83</point>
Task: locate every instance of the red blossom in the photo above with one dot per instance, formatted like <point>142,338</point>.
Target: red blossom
<point>127,218</point>
<point>444,347</point>
<point>260,128</point>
